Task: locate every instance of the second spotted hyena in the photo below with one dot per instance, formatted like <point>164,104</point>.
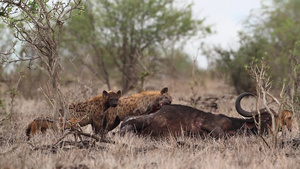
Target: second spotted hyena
<point>137,104</point>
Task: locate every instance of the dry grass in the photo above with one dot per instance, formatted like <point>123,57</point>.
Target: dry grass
<point>136,152</point>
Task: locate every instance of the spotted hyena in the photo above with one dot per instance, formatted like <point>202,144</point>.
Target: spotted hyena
<point>82,114</point>
<point>137,104</point>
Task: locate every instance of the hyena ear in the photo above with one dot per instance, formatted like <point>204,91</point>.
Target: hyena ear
<point>119,93</point>
<point>104,93</point>
<point>164,90</point>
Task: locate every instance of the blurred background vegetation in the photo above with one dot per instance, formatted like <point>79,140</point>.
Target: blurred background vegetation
<point>272,32</point>
<point>124,42</point>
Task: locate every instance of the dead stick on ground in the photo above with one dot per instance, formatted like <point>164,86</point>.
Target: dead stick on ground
<point>264,141</point>
<point>89,135</point>
<point>61,138</point>
<point>78,133</point>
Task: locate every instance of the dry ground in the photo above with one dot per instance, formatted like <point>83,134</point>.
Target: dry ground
<point>136,152</point>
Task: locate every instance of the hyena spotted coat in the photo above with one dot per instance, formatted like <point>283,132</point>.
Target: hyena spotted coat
<point>82,114</point>
<point>137,104</point>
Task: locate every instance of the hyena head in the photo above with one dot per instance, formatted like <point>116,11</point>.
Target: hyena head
<point>164,98</point>
<point>286,119</point>
<point>110,99</point>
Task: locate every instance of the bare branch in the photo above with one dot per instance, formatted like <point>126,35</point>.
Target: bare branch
<point>19,60</point>
<point>19,5</point>
<point>268,109</point>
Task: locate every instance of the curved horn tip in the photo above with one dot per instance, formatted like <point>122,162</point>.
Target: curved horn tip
<point>238,107</point>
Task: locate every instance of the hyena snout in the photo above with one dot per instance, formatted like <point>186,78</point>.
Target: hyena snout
<point>165,102</point>
<point>114,102</point>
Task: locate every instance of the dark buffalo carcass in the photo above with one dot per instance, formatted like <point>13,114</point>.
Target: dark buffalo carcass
<point>284,119</point>
<point>178,120</point>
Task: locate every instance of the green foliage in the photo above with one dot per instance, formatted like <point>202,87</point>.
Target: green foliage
<point>294,77</point>
<point>234,63</point>
<point>282,30</point>
<point>144,74</point>
<point>275,32</point>
<point>144,23</point>
<point>179,62</point>
<point>122,29</point>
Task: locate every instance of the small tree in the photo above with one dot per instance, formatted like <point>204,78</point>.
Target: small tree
<point>259,72</point>
<point>39,23</point>
<point>273,29</point>
<point>231,63</point>
<point>294,78</point>
<point>122,30</point>
<point>82,31</point>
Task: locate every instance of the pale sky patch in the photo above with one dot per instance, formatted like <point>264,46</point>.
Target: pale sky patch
<point>226,17</point>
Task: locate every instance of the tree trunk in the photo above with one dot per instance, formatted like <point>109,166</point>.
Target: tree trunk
<point>101,65</point>
<point>130,76</point>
